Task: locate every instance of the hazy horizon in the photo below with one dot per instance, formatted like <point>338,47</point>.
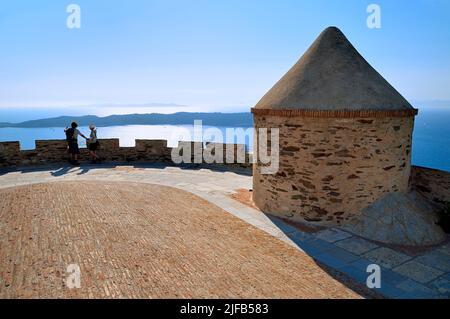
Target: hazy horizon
<point>430,136</point>
<point>22,114</point>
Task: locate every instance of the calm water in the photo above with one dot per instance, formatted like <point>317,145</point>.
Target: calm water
<point>431,139</point>
<point>126,134</point>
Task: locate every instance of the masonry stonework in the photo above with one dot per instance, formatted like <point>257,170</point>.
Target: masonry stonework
<point>9,153</point>
<point>345,136</point>
<point>331,168</point>
<point>149,151</point>
<point>432,184</point>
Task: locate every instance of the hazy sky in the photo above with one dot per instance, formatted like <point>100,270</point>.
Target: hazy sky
<point>206,53</point>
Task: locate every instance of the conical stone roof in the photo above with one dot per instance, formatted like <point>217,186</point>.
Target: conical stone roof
<point>333,76</point>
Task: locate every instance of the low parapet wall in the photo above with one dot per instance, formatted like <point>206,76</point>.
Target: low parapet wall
<point>152,151</point>
<point>431,183</point>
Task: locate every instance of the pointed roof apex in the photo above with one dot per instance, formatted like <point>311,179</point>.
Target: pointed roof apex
<point>332,30</point>
<point>332,76</point>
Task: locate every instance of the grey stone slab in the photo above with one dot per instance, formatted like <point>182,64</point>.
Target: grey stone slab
<point>359,275</point>
<point>329,260</point>
<point>342,254</point>
<point>301,236</point>
<point>300,241</point>
<point>421,296</point>
<point>332,235</point>
<point>357,270</point>
<point>356,245</point>
<point>361,264</point>
<point>386,257</point>
<point>312,247</point>
<point>284,227</point>
<point>415,290</point>
<point>435,259</point>
<point>441,285</point>
<point>321,244</point>
<point>389,291</point>
<point>392,278</point>
<point>445,249</point>
<point>418,271</point>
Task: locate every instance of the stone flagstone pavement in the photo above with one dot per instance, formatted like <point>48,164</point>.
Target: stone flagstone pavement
<point>424,275</point>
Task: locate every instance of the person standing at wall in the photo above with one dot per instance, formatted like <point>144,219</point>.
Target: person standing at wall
<point>72,142</point>
<point>93,144</point>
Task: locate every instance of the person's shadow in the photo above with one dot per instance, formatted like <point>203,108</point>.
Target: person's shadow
<point>62,171</point>
<point>83,170</point>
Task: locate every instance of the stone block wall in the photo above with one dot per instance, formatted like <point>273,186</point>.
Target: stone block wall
<point>55,151</point>
<point>331,168</point>
<point>9,153</point>
<point>229,153</point>
<point>109,149</point>
<point>195,150</point>
<point>215,153</point>
<point>431,183</point>
<point>50,151</point>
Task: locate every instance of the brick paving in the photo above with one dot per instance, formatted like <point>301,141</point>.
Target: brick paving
<point>134,240</point>
<point>405,273</point>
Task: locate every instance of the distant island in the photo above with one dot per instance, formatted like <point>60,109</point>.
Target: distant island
<point>181,118</point>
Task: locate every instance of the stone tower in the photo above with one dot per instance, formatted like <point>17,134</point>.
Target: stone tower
<point>344,134</point>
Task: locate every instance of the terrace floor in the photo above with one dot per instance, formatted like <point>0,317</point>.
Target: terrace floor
<point>134,237</point>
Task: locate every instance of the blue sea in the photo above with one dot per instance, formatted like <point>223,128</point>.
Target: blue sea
<point>431,138</point>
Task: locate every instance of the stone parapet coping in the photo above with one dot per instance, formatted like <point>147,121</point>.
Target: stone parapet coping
<point>152,151</point>
<point>336,113</point>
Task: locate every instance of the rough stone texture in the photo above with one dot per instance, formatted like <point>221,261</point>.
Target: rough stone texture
<point>418,271</point>
<point>442,285</point>
<point>147,150</point>
<point>9,153</point>
<point>134,240</point>
<point>332,168</point>
<point>333,75</point>
<point>51,151</point>
<point>435,259</point>
<point>195,149</point>
<point>153,151</point>
<point>332,235</point>
<point>400,219</point>
<point>386,257</point>
<point>356,245</point>
<point>431,183</point>
<point>231,154</point>
<point>55,151</point>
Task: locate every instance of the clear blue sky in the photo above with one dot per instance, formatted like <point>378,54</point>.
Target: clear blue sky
<point>211,53</point>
